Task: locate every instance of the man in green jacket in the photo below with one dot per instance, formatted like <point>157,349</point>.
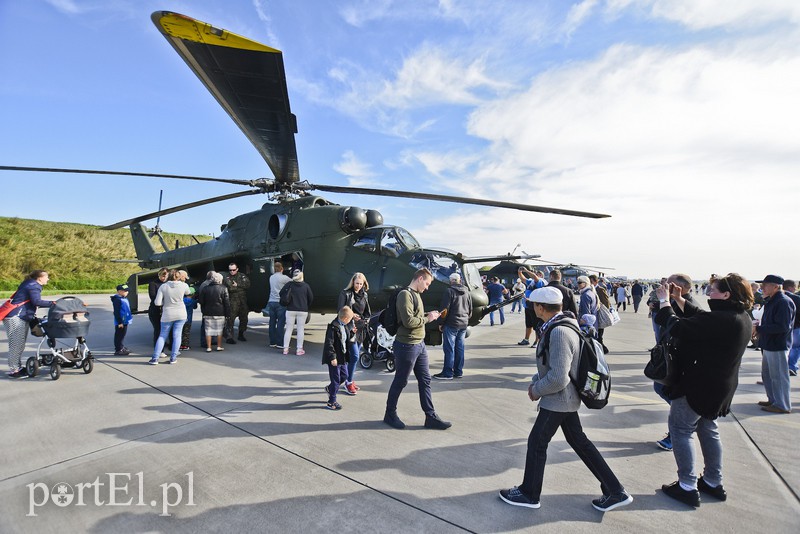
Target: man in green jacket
<point>410,354</point>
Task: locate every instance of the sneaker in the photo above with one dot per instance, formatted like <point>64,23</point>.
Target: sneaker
<point>523,342</point>
<point>718,492</point>
<point>120,353</point>
<point>393,421</point>
<point>173,360</point>
<point>515,497</point>
<point>185,347</point>
<point>220,349</point>
<point>273,345</point>
<point>434,422</point>
<point>230,341</point>
<point>350,390</point>
<point>163,355</point>
<point>286,351</point>
<point>458,376</point>
<point>442,376</point>
<point>355,386</point>
<point>792,372</point>
<point>609,502</point>
<point>19,373</point>
<point>153,361</point>
<point>208,349</point>
<point>333,406</point>
<point>666,443</point>
<point>764,403</point>
<point>674,490</point>
<point>300,352</point>
<point>242,338</point>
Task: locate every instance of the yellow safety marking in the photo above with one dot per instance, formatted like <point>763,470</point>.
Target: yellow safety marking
<point>638,400</point>
<point>189,29</point>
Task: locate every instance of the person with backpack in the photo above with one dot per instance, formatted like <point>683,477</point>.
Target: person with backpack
<point>409,351</point>
<point>557,359</point>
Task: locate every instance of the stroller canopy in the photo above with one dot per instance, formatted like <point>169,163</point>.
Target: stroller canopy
<point>68,317</point>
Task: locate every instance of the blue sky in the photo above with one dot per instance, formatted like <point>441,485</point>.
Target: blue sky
<point>679,118</point>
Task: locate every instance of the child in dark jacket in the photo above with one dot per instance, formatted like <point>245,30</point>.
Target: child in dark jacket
<point>122,318</point>
<point>335,355</point>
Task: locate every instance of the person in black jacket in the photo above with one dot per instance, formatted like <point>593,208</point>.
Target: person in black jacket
<point>569,297</point>
<point>215,303</point>
<point>299,298</point>
<point>775,339</point>
<point>355,297</point>
<point>709,351</point>
<point>153,311</point>
<point>335,354</point>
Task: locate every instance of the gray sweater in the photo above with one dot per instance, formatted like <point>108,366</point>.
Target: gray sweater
<point>551,382</point>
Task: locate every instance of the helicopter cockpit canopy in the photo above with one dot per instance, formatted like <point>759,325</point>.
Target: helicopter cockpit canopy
<point>389,241</point>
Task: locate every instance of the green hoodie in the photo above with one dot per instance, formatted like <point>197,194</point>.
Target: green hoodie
<point>411,328</point>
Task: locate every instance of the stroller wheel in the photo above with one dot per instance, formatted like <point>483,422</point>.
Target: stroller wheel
<point>32,366</point>
<point>55,371</point>
<point>390,364</point>
<point>88,365</point>
<point>365,359</point>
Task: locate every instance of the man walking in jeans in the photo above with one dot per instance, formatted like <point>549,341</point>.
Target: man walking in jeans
<point>557,357</point>
<point>410,354</point>
<point>457,309</point>
<point>277,313</point>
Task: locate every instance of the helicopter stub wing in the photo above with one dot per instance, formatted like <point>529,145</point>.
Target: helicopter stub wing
<point>248,80</point>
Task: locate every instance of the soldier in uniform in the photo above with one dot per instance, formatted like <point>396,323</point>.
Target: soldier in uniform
<point>237,283</point>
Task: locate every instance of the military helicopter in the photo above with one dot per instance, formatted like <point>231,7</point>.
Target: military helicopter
<point>331,241</point>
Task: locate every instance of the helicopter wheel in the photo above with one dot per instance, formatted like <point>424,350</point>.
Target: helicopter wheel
<point>32,366</point>
<point>365,359</point>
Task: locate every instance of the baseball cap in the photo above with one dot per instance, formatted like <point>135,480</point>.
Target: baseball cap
<point>771,279</point>
<point>122,287</point>
<point>546,295</point>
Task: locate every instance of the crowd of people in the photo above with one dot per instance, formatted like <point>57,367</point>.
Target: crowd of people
<point>707,347</point>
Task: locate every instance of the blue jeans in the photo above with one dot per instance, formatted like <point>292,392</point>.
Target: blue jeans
<point>177,330</point>
<point>453,346</point>
<point>546,425</point>
<point>516,305</point>
<point>775,375</point>
<point>491,315</point>
<point>337,374</point>
<point>277,322</point>
<point>794,353</point>
<point>355,351</point>
<point>683,423</point>
<point>407,358</point>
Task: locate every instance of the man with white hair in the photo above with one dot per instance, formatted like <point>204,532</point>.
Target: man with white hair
<point>456,308</point>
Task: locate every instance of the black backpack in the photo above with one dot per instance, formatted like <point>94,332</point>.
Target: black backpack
<point>388,318</point>
<point>593,381</point>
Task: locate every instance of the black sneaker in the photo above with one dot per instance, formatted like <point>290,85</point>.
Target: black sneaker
<point>393,421</point>
<point>609,502</point>
<point>523,342</point>
<point>435,423</point>
<point>333,406</point>
<point>717,492</point>
<point>674,490</point>
<point>442,376</point>
<point>19,373</point>
<point>515,497</point>
<point>242,338</point>
<point>458,376</point>
<point>231,341</point>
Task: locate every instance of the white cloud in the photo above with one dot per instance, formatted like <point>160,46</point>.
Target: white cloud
<point>67,6</point>
<point>577,14</point>
<point>358,172</point>
<point>702,14</point>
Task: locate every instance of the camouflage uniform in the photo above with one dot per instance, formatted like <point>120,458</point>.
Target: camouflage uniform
<point>237,285</point>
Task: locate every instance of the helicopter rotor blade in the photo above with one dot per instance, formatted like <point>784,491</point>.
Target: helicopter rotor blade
<point>124,173</point>
<point>182,207</point>
<point>458,200</point>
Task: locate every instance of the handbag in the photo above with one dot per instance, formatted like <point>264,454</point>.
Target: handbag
<point>7,307</point>
<point>662,367</point>
<point>604,318</point>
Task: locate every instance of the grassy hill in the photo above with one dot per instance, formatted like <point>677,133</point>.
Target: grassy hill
<point>77,256</point>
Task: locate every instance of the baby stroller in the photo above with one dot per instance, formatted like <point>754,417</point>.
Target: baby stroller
<point>377,345</point>
<point>68,317</point>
